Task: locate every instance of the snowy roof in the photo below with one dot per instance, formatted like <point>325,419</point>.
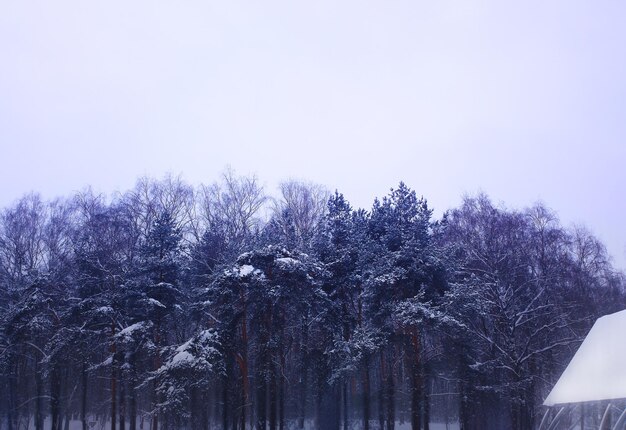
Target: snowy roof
<point>598,370</point>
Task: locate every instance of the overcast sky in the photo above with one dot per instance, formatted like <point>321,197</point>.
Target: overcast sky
<point>525,101</point>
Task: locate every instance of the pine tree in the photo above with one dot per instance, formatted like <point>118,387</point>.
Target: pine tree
<point>161,296</point>
<point>400,286</point>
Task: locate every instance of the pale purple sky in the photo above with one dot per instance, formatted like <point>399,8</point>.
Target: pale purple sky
<point>525,101</point>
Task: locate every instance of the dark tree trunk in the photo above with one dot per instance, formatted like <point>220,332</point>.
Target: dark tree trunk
<point>281,376</point>
<point>381,392</point>
<point>271,365</point>
<point>55,393</point>
<point>282,424</point>
<point>304,373</point>
<point>281,385</point>
<point>206,411</point>
<point>366,395</point>
<point>38,402</point>
<point>514,411</point>
<point>195,409</point>
<point>318,410</point>
<point>391,400</point>
<point>225,398</point>
<point>122,406</point>
<point>273,398</point>
<point>465,409</point>
<point>424,385</point>
<point>133,410</point>
<point>113,378</point>
<point>243,362</point>
<point>261,402</point>
<point>83,400</point>
<point>66,415</point>
<point>345,406</point>
<point>11,396</point>
<point>416,382</point>
<point>156,366</point>
<point>329,415</point>
<point>426,404</point>
<point>416,416</point>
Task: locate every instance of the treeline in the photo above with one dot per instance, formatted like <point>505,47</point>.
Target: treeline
<point>178,307</point>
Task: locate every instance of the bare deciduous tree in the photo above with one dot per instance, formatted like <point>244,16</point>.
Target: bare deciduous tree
<point>299,209</point>
<point>22,239</point>
<point>234,205</point>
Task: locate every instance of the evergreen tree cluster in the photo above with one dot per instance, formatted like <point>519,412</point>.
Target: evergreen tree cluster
<point>179,307</point>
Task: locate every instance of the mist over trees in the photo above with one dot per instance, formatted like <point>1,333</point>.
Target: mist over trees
<point>170,306</point>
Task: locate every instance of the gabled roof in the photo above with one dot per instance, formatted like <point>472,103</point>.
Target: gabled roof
<point>598,369</point>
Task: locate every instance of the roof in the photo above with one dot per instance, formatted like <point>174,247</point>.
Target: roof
<point>598,369</point>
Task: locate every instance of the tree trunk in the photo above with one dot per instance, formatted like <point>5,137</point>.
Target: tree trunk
<point>304,373</point>
<point>113,378</point>
<point>391,399</point>
<point>416,416</point>
<point>381,392</point>
<point>514,410</point>
<point>414,357</point>
<point>345,406</point>
<point>12,394</point>
<point>281,377</point>
<point>273,400</point>
<point>133,409</point>
<point>55,392</point>
<point>261,399</point>
<point>329,412</point>
<point>225,397</point>
<point>266,378</point>
<point>366,395</point>
<point>243,363</point>
<point>467,396</point>
<point>156,366</point>
<point>38,402</point>
<point>122,406</point>
<point>83,400</point>
<point>426,403</point>
<point>113,400</point>
<point>205,412</point>
<point>195,411</point>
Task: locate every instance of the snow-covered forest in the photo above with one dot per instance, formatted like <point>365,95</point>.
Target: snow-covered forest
<point>171,306</point>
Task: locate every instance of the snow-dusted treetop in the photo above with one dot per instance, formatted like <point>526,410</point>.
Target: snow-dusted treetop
<point>597,371</point>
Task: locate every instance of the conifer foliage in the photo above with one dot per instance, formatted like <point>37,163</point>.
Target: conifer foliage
<point>174,307</point>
